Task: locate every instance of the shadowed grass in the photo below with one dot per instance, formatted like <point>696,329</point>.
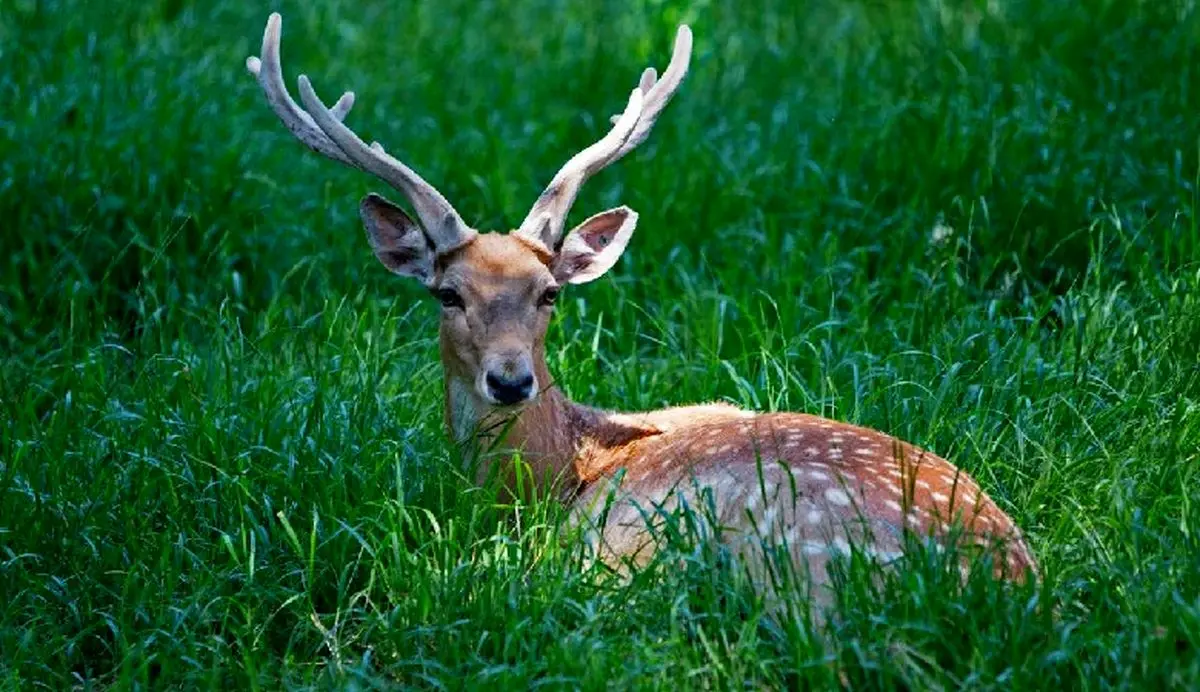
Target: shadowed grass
<point>968,224</point>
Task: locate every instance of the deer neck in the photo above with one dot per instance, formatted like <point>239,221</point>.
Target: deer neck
<point>565,444</point>
<point>547,432</point>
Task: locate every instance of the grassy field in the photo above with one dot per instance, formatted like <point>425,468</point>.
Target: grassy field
<point>972,225</point>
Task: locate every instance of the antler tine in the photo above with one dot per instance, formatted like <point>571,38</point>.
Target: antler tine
<point>443,224</point>
<point>649,77</point>
<point>322,130</point>
<point>269,72</point>
<point>659,91</point>
<point>545,221</point>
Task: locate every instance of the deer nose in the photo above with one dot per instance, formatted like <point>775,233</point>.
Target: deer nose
<point>510,389</point>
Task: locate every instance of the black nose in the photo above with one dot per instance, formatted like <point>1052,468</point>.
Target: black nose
<point>510,390</point>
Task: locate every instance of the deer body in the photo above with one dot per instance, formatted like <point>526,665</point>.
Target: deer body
<point>816,485</point>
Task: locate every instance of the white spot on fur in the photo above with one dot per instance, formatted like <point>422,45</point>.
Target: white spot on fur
<point>893,505</point>
<point>886,556</point>
<point>837,496</point>
<point>729,488</point>
<point>819,476</point>
<point>812,548</point>
<point>940,497</point>
<point>811,451</point>
<point>813,517</point>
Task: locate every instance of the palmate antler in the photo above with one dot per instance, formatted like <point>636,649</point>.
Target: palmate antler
<point>322,130</point>
<point>545,221</point>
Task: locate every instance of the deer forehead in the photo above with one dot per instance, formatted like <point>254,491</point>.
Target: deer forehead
<point>495,264</point>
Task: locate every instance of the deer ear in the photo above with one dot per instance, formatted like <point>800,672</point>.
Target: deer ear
<point>594,246</point>
<point>397,240</point>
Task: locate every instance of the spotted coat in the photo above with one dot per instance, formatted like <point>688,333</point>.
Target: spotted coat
<point>816,485</point>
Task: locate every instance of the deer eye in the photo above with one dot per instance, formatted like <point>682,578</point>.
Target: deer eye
<point>449,298</point>
<point>548,297</point>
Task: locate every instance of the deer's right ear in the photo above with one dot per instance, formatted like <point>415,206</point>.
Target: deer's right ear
<point>397,240</point>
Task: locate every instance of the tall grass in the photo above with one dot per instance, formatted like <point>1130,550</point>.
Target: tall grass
<point>972,225</point>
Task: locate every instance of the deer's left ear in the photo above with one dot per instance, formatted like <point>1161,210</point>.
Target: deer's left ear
<point>594,246</point>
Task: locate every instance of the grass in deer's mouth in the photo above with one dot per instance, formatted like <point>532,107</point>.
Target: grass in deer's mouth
<point>221,458</point>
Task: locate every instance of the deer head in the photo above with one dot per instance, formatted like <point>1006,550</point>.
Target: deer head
<point>496,290</point>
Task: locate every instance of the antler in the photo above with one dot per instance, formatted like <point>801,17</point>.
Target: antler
<point>545,221</point>
<point>321,129</point>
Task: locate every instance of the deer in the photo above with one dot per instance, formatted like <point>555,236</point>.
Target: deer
<point>820,487</point>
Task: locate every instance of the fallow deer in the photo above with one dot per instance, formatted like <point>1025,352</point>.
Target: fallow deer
<point>813,484</point>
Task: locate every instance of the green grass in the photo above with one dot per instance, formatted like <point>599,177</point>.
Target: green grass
<point>221,455</point>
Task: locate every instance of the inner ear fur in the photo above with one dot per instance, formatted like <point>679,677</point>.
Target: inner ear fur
<point>594,246</point>
<point>398,242</point>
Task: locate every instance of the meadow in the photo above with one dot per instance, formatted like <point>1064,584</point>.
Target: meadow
<point>222,463</point>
